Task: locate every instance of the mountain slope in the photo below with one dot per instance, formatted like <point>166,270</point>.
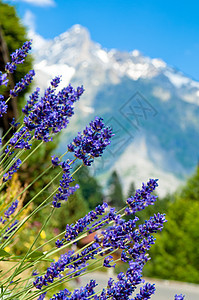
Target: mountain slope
<point>152,107</point>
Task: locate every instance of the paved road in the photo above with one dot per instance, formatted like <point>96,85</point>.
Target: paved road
<point>165,290</point>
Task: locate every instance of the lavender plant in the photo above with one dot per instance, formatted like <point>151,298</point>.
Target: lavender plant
<point>45,116</point>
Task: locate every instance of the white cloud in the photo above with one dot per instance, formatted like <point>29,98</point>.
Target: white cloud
<point>29,20</point>
<point>39,2</point>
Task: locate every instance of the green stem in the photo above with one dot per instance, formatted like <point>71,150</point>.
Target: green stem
<point>29,250</point>
<point>35,210</point>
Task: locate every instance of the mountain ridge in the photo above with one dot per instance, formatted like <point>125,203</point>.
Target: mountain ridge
<point>117,85</point>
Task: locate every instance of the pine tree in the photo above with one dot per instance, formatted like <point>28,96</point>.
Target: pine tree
<point>131,191</point>
<point>115,194</point>
<point>91,190</point>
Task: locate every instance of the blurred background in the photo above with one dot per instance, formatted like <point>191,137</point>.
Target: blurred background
<point>138,63</point>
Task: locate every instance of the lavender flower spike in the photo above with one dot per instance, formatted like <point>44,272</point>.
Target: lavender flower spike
<point>142,197</point>
<point>18,57</point>
<point>3,106</point>
<point>3,79</point>
<point>11,209</point>
<point>179,297</point>
<point>21,85</point>
<point>145,292</point>
<point>92,142</point>
<point>13,169</point>
<point>64,190</point>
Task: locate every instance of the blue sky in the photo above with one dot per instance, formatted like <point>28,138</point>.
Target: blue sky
<point>163,29</point>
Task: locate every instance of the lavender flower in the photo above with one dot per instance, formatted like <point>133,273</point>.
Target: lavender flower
<point>92,142</point>
<point>82,293</point>
<point>55,82</point>
<point>14,123</point>
<point>10,229</point>
<point>3,106</point>
<point>20,139</point>
<point>69,261</point>
<point>18,57</point>
<point>21,85</point>
<point>126,284</point>
<point>142,197</point>
<point>118,235</point>
<point>72,231</point>
<point>11,209</point>
<point>13,169</point>
<point>30,103</point>
<point>107,262</point>
<point>3,79</point>
<point>64,190</point>
<point>55,161</point>
<point>62,295</point>
<point>179,297</point>
<point>42,296</point>
<point>145,292</point>
<point>52,112</point>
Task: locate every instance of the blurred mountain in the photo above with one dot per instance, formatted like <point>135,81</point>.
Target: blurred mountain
<point>152,107</point>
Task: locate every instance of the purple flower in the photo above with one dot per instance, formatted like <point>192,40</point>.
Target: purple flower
<point>11,209</point>
<point>35,273</point>
<point>179,297</point>
<point>62,295</point>
<point>118,235</point>
<point>92,142</point>
<point>30,103</point>
<point>18,57</point>
<point>20,140</point>
<point>142,197</point>
<point>64,190</point>
<point>10,229</point>
<point>67,261</point>
<point>14,123</point>
<point>3,106</point>
<point>52,112</point>
<point>13,169</point>
<point>145,292</point>
<point>55,161</point>
<point>107,262</point>
<point>42,296</point>
<point>55,82</point>
<point>125,285</point>
<point>3,79</point>
<point>81,293</point>
<point>73,230</point>
<point>21,85</point>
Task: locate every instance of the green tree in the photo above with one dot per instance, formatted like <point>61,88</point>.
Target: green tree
<point>132,189</point>
<point>115,194</point>
<point>176,253</point>
<point>75,208</point>
<point>12,36</point>
<point>15,35</point>
<point>91,190</point>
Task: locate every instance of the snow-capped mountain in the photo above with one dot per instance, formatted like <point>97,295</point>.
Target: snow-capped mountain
<point>152,107</point>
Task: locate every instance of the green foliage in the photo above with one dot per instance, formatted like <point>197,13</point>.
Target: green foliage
<point>132,189</point>
<point>115,196</point>
<point>35,165</point>
<point>72,210</point>
<point>176,254</point>
<point>161,206</point>
<point>15,35</point>
<point>91,190</point>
